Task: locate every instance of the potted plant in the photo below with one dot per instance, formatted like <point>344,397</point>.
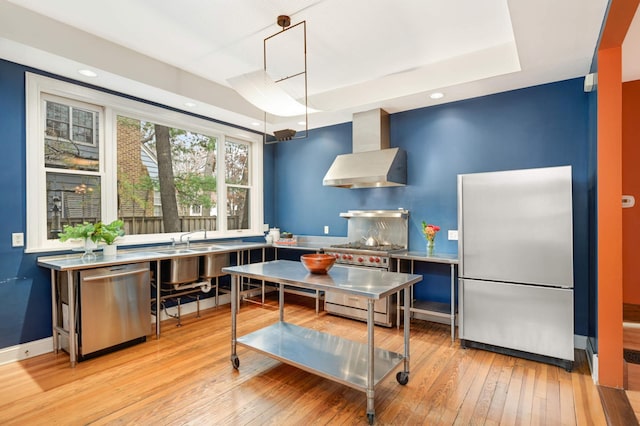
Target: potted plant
<point>92,234</point>
<point>82,231</point>
<point>109,233</point>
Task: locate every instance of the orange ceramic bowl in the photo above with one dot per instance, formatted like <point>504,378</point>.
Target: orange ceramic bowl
<point>317,263</point>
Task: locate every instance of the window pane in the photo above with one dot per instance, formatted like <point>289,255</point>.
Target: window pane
<point>79,152</point>
<point>83,126</point>
<point>71,199</point>
<point>164,175</point>
<point>236,163</point>
<point>238,208</point>
<point>57,120</point>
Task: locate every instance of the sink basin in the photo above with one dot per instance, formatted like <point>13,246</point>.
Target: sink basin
<point>207,248</point>
<point>176,251</point>
<point>211,264</point>
<point>180,270</point>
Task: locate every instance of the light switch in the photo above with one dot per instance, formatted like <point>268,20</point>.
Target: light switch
<point>17,239</point>
<point>326,229</point>
<point>453,234</point>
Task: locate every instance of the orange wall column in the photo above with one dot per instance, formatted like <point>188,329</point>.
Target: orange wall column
<point>610,356</point>
<point>609,247</point>
<point>631,186</point>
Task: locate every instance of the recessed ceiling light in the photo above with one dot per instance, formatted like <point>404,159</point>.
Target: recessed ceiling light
<point>88,73</point>
<point>302,123</point>
<point>436,95</point>
<point>189,104</point>
<point>255,123</point>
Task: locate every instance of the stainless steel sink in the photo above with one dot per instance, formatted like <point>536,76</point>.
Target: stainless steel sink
<point>211,264</point>
<point>207,248</point>
<point>177,251</point>
<point>180,270</point>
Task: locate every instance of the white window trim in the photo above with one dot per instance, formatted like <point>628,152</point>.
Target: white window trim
<point>113,105</point>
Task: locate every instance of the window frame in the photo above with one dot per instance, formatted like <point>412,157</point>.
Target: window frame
<point>111,106</point>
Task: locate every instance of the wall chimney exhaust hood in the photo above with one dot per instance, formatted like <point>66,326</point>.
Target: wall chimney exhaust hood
<point>372,163</point>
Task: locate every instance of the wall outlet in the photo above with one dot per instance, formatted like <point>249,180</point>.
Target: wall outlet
<point>265,227</point>
<point>17,239</point>
<point>453,234</point>
<point>326,229</point>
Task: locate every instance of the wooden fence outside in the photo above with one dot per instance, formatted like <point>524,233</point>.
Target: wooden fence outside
<point>154,225</point>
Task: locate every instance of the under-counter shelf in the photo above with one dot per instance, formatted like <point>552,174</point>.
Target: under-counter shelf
<point>326,355</point>
<point>425,307</point>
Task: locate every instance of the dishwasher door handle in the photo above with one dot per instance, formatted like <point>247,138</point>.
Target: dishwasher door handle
<point>115,275</point>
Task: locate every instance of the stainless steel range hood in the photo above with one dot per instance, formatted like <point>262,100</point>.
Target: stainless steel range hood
<point>372,163</point>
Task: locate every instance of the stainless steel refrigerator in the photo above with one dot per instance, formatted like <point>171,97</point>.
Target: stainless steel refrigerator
<point>516,263</point>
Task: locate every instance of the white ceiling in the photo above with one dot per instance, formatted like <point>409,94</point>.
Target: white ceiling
<point>361,54</point>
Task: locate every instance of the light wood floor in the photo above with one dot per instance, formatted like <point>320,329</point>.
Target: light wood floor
<point>186,377</point>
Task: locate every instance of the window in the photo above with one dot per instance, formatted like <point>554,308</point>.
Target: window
<point>237,155</point>
<point>187,184</point>
<point>94,156</point>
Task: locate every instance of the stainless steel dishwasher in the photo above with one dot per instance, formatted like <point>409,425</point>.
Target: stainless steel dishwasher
<point>115,307</point>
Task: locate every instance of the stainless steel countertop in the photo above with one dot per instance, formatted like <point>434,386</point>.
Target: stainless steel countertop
<point>373,284</point>
<point>424,257</point>
<point>75,262</point>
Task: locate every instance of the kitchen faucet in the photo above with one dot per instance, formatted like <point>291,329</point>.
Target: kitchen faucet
<point>192,232</point>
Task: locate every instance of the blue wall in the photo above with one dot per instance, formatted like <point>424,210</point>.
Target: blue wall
<point>535,127</point>
<point>24,287</point>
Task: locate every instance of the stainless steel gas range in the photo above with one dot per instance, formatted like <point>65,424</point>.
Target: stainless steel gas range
<point>373,235</point>
<point>358,254</point>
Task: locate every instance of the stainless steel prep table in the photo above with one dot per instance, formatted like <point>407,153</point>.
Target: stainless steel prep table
<point>320,353</point>
<point>71,263</point>
<point>430,308</point>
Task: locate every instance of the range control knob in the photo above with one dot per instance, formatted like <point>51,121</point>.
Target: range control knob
<point>360,259</point>
<point>377,260</point>
<point>372,259</point>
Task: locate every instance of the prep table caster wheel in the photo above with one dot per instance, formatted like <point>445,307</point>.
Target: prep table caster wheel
<point>235,361</point>
<point>371,418</point>
<point>402,377</point>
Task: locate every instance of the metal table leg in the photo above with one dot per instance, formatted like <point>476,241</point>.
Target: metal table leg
<point>263,259</point>
<point>54,311</point>
<point>407,326</point>
<point>453,304</point>
<point>158,309</point>
<point>370,363</point>
<point>235,284</point>
<point>71,286</point>
<point>281,300</point>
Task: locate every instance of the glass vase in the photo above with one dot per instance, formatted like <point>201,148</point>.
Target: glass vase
<point>89,246</point>
<point>431,246</point>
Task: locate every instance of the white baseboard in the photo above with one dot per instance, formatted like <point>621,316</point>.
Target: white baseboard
<point>592,358</point>
<point>26,350</point>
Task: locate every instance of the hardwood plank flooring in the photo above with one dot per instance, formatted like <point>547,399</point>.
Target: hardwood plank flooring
<point>185,377</point>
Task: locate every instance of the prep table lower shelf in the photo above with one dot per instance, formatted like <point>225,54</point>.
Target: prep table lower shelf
<point>326,355</point>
